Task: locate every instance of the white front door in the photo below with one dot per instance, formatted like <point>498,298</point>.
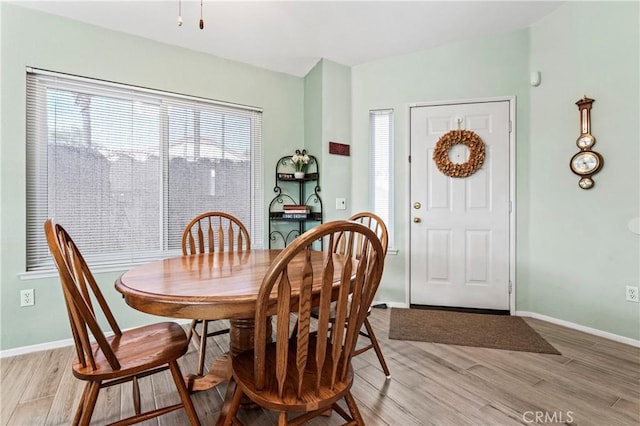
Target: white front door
<point>460,254</point>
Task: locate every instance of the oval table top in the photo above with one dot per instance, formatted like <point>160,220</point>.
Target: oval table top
<point>206,286</point>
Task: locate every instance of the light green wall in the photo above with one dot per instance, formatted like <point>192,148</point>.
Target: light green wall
<point>336,127</point>
<point>313,114</point>
<point>490,67</point>
<point>34,39</point>
<point>327,114</point>
<point>582,254</point>
<point>574,252</point>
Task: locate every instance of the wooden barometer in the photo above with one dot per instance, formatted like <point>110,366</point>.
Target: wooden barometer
<point>586,162</point>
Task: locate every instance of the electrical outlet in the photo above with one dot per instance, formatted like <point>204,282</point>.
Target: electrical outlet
<point>27,297</point>
<point>632,294</point>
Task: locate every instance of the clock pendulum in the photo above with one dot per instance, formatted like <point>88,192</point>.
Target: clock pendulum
<point>586,162</point>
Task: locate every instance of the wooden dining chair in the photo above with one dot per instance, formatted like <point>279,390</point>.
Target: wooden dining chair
<point>118,358</point>
<point>311,371</point>
<point>209,233</point>
<point>376,224</point>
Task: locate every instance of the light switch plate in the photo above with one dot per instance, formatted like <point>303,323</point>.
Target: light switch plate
<point>341,203</point>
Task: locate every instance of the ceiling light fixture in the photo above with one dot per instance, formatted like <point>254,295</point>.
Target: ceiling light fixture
<point>180,21</point>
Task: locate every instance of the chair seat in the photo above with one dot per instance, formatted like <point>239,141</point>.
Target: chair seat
<point>137,350</point>
<point>243,372</point>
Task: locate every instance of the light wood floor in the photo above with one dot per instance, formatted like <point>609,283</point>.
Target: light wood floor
<point>593,382</point>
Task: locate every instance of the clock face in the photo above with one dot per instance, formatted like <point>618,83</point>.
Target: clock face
<point>585,183</point>
<point>585,141</point>
<point>585,163</point>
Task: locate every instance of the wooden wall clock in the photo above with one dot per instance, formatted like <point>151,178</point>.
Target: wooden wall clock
<point>586,162</point>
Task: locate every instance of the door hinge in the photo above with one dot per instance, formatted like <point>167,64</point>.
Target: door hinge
<point>510,126</point>
<point>510,287</point>
<point>409,158</point>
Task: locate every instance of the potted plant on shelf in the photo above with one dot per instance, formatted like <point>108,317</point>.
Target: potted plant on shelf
<point>300,160</point>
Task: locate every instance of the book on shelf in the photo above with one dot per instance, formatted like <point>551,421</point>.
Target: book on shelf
<point>291,176</point>
<point>296,208</point>
<point>287,215</point>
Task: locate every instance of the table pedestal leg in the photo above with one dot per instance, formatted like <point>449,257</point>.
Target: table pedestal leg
<point>220,371</point>
<point>241,333</point>
<point>241,337</point>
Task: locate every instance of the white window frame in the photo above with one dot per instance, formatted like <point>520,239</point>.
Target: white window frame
<point>37,198</point>
<point>381,145</point>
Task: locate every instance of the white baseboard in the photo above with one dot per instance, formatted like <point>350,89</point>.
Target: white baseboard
<point>589,330</point>
<point>614,337</point>
<point>36,348</point>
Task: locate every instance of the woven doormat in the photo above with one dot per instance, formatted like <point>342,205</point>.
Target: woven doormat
<point>467,329</point>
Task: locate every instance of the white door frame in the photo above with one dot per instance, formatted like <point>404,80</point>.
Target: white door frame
<point>406,210</point>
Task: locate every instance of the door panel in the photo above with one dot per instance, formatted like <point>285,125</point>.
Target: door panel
<point>460,243</point>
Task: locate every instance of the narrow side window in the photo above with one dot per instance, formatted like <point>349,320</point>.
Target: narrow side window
<point>381,167</point>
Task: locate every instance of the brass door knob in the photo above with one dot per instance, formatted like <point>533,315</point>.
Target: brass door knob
<point>417,220</point>
<point>417,205</point>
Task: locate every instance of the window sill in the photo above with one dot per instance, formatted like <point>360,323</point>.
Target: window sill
<point>52,273</point>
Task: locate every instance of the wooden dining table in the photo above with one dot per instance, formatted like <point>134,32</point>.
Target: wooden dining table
<point>211,286</point>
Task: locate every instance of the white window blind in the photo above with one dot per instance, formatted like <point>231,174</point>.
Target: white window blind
<point>381,167</point>
<point>124,169</point>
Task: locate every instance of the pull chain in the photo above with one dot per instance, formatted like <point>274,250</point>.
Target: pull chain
<point>201,20</point>
<point>180,13</point>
